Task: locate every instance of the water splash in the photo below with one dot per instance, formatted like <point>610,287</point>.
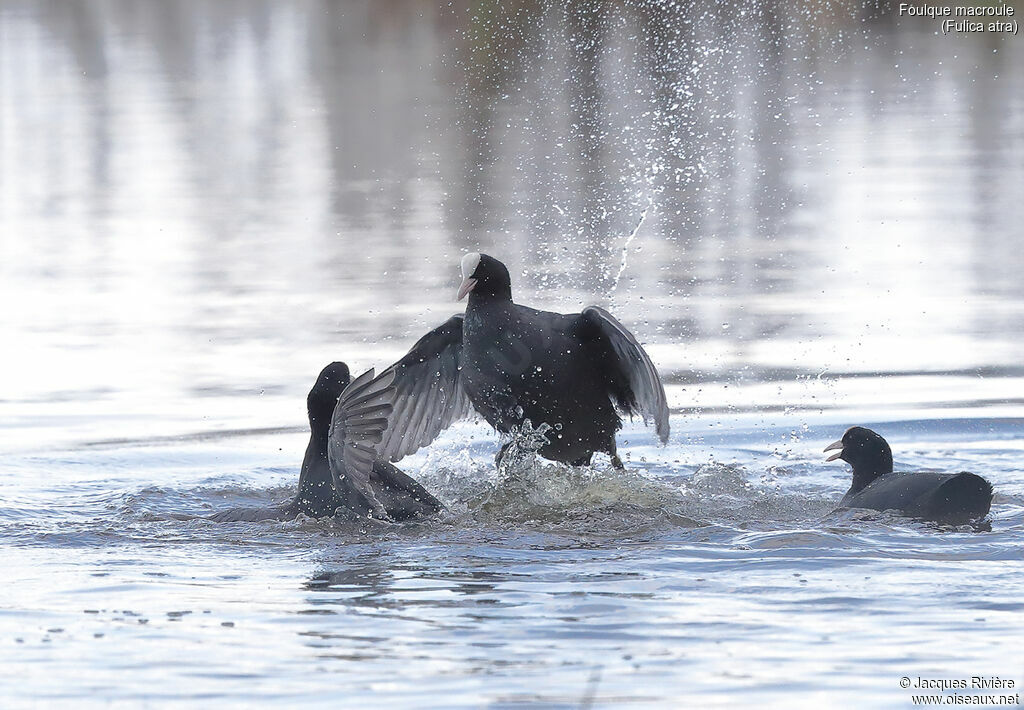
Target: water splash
<point>623,259</point>
<point>521,446</point>
<point>728,493</point>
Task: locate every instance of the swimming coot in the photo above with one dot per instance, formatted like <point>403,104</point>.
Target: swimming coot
<point>951,498</point>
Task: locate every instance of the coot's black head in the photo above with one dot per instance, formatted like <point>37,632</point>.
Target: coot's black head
<point>867,452</point>
<point>484,277</point>
<point>321,399</point>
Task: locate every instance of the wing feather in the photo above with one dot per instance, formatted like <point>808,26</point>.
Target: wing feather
<point>429,394</point>
<point>357,427</point>
<point>643,392</point>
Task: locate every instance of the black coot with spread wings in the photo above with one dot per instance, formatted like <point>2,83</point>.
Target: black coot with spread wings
<point>511,363</point>
<point>953,498</point>
<point>340,469</point>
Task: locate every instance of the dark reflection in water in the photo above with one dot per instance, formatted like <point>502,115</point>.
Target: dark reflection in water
<point>371,578</point>
<point>370,582</point>
<point>794,187</point>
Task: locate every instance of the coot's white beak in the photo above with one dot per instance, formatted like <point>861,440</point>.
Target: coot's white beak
<point>832,446</point>
<point>469,263</point>
<point>465,288</point>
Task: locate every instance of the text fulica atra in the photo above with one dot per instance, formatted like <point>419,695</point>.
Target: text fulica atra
<point>953,498</point>
<point>573,372</point>
<point>340,469</point>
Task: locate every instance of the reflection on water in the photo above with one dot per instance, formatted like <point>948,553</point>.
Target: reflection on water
<point>200,195</point>
<point>810,213</point>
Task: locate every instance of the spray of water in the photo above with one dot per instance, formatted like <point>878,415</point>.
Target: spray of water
<point>624,257</point>
<point>523,443</point>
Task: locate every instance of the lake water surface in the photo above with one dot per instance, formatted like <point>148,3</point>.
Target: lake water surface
<point>811,217</point>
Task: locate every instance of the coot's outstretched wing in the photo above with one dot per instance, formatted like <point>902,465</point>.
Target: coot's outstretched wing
<point>429,393</point>
<point>357,427</point>
<point>634,383</point>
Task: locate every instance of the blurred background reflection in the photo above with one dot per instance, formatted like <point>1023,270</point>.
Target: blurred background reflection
<point>212,198</point>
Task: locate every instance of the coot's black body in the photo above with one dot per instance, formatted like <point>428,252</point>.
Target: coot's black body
<point>951,498</point>
<point>520,363</point>
<point>511,363</point>
<point>339,486</point>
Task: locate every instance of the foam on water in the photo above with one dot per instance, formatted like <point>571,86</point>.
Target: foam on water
<point>524,490</point>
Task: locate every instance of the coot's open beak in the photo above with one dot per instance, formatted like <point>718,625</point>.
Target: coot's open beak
<point>835,445</point>
<point>465,288</point>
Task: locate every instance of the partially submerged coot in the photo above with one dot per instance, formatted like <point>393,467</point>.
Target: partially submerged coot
<point>340,469</point>
<point>951,498</point>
